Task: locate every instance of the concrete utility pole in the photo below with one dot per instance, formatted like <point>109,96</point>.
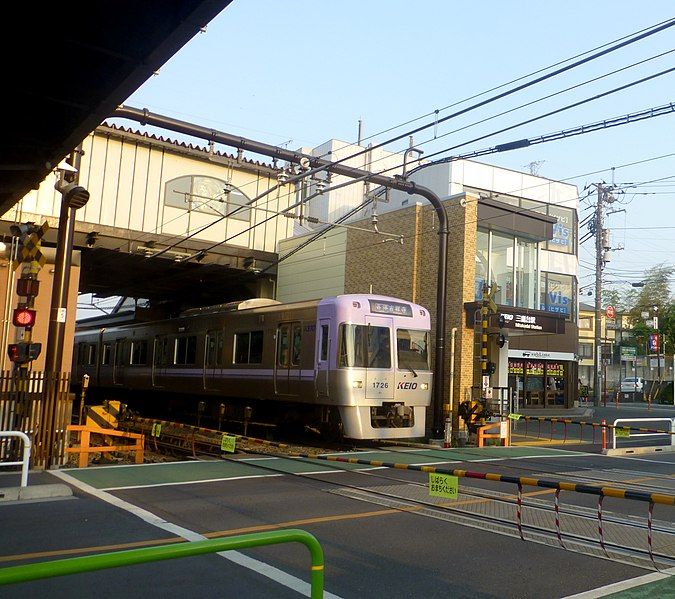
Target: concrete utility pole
<point>597,376</point>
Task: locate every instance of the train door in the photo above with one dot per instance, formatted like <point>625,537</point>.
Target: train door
<point>379,360</point>
<point>322,354</point>
<point>213,358</point>
<point>119,361</point>
<point>287,364</point>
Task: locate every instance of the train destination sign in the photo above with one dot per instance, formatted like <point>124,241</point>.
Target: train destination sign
<point>393,308</point>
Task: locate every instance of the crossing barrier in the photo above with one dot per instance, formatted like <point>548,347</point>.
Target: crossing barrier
<point>85,447</point>
<point>603,426</point>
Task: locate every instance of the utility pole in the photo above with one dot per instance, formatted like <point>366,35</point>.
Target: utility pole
<point>598,294</point>
<point>602,249</point>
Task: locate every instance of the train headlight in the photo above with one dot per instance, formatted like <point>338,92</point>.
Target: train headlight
<point>357,384</point>
<point>424,386</point>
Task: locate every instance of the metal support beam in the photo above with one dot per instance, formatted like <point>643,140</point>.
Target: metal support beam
<point>144,117</point>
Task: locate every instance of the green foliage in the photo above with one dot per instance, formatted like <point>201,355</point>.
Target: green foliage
<point>654,297</point>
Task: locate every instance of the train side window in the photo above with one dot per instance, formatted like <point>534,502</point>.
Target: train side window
<point>107,352</point>
<point>256,351</point>
<point>297,344</point>
<point>324,342</point>
<point>185,350</point>
<point>283,343</point>
<point>139,352</point>
<point>161,351</point>
<point>248,347</point>
<point>214,348</point>
<point>91,354</point>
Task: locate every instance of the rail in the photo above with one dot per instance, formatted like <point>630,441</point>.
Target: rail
<point>522,481</point>
<point>26,454</point>
<point>104,561</point>
<point>617,429</point>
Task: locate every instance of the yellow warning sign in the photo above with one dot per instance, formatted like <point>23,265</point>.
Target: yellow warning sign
<point>227,443</point>
<point>443,485</point>
<point>622,432</point>
<point>156,429</point>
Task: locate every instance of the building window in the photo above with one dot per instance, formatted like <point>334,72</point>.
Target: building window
<point>526,274</point>
<point>586,350</point>
<point>563,230</point>
<point>557,293</point>
<point>482,249</point>
<point>501,268</point>
<point>586,323</point>
<point>208,195</point>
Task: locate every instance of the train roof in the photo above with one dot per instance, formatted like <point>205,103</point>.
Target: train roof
<point>255,305</point>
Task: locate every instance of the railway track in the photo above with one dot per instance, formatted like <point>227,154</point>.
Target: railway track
<point>625,538</point>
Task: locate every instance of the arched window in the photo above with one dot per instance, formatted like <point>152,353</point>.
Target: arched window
<point>207,194</point>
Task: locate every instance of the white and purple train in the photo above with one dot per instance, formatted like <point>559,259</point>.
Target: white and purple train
<point>353,365</point>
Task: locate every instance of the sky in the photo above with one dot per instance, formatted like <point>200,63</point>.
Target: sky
<point>300,73</point>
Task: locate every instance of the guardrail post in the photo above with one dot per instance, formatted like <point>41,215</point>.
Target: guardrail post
<point>604,433</point>
<point>26,454</point>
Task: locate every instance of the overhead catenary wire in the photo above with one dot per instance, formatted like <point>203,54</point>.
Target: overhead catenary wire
<point>642,33</point>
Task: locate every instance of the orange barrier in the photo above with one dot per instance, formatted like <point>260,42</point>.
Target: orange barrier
<point>503,433</point>
<point>85,448</point>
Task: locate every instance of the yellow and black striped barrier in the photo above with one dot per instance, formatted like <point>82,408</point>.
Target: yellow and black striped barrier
<point>107,415</point>
<point>660,498</point>
<point>565,421</point>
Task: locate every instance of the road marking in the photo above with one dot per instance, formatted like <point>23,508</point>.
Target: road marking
<point>275,574</point>
<point>623,585</point>
<point>189,482</point>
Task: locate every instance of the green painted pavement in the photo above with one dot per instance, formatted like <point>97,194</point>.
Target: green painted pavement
<point>159,474</point>
<point>106,477</point>
<point>661,588</point>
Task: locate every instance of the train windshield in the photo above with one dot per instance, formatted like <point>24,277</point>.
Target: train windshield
<point>412,349</point>
<point>364,346</point>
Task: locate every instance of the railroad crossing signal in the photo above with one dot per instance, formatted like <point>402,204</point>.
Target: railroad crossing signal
<point>30,250</point>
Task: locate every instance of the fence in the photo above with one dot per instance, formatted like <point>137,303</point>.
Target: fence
<point>23,408</point>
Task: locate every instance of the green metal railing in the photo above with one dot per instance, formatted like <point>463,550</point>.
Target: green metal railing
<point>130,557</point>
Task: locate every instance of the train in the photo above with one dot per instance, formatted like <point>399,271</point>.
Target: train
<point>353,366</point>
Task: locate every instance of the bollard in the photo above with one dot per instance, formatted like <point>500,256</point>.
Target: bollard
<point>604,433</point>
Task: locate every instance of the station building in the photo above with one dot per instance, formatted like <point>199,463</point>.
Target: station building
<point>512,231</point>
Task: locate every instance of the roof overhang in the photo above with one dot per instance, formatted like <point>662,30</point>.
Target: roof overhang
<point>68,68</point>
<point>506,218</point>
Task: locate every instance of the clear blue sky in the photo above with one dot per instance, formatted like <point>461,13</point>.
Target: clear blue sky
<point>300,73</point>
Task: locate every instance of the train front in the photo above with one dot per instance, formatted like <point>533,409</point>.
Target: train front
<point>375,352</point>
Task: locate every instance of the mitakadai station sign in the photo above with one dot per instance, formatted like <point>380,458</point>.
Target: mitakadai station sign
<point>535,321</point>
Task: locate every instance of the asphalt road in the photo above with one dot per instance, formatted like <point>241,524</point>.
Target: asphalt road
<point>372,548</point>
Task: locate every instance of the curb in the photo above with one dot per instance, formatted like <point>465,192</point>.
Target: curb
<point>51,491</point>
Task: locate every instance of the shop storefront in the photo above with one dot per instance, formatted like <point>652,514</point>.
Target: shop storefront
<point>542,379</point>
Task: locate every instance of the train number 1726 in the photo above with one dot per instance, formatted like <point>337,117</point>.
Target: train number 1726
<point>380,385</point>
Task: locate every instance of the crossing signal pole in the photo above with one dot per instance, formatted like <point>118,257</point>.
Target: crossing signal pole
<point>31,259</point>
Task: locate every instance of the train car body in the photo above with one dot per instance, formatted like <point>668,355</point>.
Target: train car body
<point>357,363</point>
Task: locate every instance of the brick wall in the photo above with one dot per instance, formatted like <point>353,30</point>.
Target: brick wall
<point>409,271</point>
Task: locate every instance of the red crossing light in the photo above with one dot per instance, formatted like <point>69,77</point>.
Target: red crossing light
<point>23,317</point>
